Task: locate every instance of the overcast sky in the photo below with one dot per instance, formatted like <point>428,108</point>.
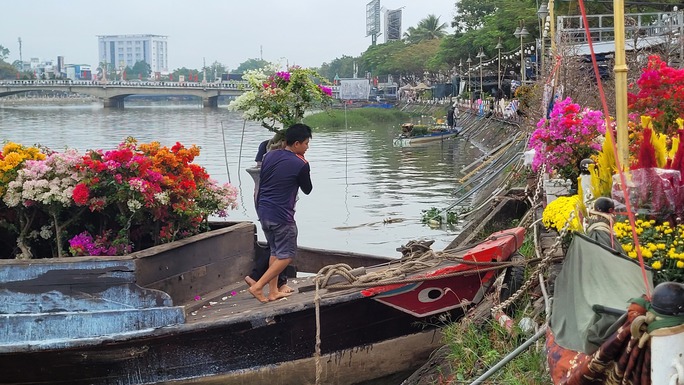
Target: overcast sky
<point>303,32</point>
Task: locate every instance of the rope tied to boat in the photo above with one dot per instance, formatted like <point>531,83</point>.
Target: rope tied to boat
<point>412,262</point>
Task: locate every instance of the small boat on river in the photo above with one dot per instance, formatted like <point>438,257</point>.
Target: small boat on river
<point>180,313</point>
<point>412,135</point>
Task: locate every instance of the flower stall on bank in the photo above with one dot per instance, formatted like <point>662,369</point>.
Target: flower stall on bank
<point>623,232</point>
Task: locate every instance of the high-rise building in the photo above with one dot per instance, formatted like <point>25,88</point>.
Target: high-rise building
<point>125,50</point>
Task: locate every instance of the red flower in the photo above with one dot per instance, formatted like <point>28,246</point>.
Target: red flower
<point>81,194</point>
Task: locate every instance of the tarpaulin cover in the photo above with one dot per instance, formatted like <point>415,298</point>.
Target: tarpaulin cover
<point>592,278</point>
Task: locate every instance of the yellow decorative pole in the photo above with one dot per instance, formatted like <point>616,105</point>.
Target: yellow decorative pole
<point>620,71</point>
<point>552,27</point>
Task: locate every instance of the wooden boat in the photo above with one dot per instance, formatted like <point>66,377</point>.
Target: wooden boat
<point>409,138</point>
<point>180,313</point>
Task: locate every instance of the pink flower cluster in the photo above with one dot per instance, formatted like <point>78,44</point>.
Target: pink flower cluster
<point>567,136</point>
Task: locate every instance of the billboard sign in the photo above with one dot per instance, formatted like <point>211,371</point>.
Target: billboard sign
<point>354,89</point>
<point>393,25</point>
<point>373,18</point>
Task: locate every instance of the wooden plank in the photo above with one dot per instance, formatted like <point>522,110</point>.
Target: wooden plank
<point>199,264</point>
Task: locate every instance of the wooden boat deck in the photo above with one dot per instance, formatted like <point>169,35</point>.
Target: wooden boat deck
<point>236,302</point>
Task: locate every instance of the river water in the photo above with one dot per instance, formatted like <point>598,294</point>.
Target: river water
<point>360,180</point>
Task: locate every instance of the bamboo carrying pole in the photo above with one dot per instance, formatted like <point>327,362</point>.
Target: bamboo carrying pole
<point>620,82</point>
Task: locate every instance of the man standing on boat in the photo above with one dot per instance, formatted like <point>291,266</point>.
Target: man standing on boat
<point>262,261</point>
<point>283,173</point>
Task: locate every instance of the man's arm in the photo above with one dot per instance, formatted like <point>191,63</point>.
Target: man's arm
<point>304,179</point>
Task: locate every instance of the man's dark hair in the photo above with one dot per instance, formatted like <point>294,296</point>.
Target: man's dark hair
<point>297,133</point>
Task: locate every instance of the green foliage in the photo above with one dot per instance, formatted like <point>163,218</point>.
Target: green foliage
<point>436,217</point>
<point>214,71</point>
<point>475,348</point>
<point>186,72</point>
<point>4,53</point>
<point>7,71</point>
<point>251,64</point>
<point>140,69</point>
<point>342,67</point>
<point>428,29</point>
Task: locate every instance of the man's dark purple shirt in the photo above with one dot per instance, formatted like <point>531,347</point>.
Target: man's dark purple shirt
<point>282,174</point>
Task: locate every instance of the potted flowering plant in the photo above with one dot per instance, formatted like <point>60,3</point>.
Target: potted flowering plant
<point>279,99</point>
<point>569,135</point>
<point>659,94</point>
<point>105,202</point>
<point>662,246</point>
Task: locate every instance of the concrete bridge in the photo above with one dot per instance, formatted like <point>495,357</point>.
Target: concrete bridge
<point>114,93</point>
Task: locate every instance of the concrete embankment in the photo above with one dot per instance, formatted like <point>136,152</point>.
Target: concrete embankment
<point>496,203</point>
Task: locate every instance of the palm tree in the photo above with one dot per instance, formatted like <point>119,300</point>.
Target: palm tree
<point>427,29</point>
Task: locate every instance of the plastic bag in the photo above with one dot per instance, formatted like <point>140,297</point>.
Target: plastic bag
<point>652,191</point>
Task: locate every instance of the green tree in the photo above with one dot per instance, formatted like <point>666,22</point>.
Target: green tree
<point>251,64</point>
<point>7,71</point>
<point>428,29</point>
<point>214,71</point>
<point>4,53</point>
<point>187,73</point>
<point>140,69</point>
<point>342,67</point>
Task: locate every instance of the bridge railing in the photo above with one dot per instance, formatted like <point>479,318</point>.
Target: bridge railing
<point>601,27</point>
<point>229,85</point>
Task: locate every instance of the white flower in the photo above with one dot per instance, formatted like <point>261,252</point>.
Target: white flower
<point>133,205</point>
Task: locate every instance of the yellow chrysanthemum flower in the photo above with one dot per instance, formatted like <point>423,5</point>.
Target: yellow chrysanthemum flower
<point>657,265</point>
<point>632,254</point>
<point>680,264</point>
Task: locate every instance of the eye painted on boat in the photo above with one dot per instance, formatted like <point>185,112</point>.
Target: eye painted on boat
<point>430,294</point>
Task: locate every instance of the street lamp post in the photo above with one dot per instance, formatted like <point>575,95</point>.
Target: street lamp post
<point>470,89</point>
<point>460,76</point>
<point>498,47</point>
<point>543,12</point>
<point>481,55</point>
<point>521,33</point>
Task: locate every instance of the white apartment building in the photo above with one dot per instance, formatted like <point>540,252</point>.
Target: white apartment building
<point>125,50</point>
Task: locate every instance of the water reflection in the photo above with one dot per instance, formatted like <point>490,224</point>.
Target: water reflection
<point>359,178</point>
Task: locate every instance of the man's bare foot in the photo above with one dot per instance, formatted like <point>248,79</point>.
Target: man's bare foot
<point>285,289</point>
<point>250,282</point>
<point>277,295</point>
<point>258,294</point>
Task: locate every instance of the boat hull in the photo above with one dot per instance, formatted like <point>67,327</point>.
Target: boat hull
<point>222,334</point>
<point>232,350</point>
<point>435,137</point>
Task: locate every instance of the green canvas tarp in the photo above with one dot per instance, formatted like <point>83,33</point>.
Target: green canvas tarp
<point>593,278</point>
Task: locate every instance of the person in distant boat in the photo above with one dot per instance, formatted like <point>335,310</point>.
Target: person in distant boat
<point>261,263</point>
<point>283,173</point>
